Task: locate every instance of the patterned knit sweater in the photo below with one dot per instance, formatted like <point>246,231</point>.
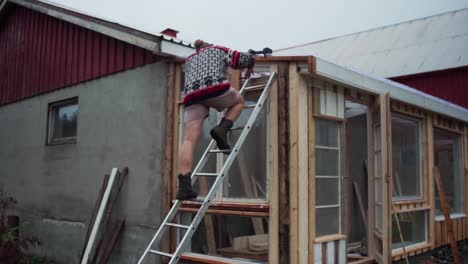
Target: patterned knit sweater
<point>205,72</point>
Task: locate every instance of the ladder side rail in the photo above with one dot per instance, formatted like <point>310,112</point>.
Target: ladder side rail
<point>162,228</point>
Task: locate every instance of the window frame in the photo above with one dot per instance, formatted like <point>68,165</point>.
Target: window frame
<point>339,177</point>
<point>427,237</point>
<point>51,109</point>
<point>421,195</point>
<point>461,211</point>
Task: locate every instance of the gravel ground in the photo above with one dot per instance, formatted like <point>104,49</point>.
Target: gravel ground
<point>443,254</point>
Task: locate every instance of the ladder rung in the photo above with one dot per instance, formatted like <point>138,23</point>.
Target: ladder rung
<point>237,128</point>
<point>161,253</point>
<point>206,174</point>
<point>177,225</point>
<point>220,151</point>
<point>255,87</point>
<point>250,106</point>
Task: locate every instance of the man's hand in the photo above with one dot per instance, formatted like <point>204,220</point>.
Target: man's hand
<point>248,72</point>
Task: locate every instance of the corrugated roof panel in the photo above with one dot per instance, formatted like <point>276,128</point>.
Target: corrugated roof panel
<point>427,44</point>
<point>42,53</point>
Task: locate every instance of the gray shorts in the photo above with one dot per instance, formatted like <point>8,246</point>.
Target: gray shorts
<point>200,110</point>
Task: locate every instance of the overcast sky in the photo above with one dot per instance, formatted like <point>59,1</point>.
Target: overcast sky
<point>245,24</point>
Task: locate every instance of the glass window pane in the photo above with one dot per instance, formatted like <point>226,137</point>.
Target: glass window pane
<point>326,162</point>
<point>65,121</point>
<point>413,228</point>
<point>327,221</point>
<point>326,133</point>
<point>406,154</point>
<point>247,176</point>
<point>378,217</point>
<point>447,157</point>
<point>327,191</point>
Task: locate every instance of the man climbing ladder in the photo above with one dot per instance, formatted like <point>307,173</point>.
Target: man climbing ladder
<point>205,87</point>
<point>237,60</point>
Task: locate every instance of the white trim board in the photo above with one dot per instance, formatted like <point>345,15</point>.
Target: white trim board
<point>379,85</point>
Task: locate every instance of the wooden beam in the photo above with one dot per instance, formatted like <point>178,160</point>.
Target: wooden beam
<point>446,211</point>
<point>110,246</point>
<point>94,213</point>
<point>227,212</point>
<point>298,170</point>
<point>112,201</point>
<point>283,163</point>
<point>361,204</point>
<point>312,186</point>
<point>168,173</point>
<point>97,223</point>
<point>273,193</point>
<point>430,179</point>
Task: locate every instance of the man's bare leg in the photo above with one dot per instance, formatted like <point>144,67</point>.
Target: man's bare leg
<point>191,135</point>
<point>219,133</point>
<point>185,160</point>
<point>235,110</point>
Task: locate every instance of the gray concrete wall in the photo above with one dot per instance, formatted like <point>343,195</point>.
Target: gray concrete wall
<point>121,122</point>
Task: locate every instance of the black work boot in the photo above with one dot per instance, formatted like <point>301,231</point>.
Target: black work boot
<point>185,191</point>
<point>219,134</point>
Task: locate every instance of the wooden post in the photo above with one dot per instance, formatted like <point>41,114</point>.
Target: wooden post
<point>312,189</point>
<point>273,193</point>
<point>298,169</point>
<point>448,221</point>
<point>283,163</point>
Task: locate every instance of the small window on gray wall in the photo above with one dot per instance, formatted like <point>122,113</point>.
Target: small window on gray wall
<point>62,123</point>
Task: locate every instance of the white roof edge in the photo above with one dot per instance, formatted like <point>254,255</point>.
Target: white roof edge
<point>379,85</point>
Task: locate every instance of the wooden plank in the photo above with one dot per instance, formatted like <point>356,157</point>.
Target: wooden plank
<point>331,252</point>
<point>335,237</point>
<point>317,253</point>
<point>388,198</point>
<point>97,223</point>
<point>299,164</point>
<point>112,201</point>
<point>448,221</point>
<point>361,204</point>
<point>110,246</point>
<point>273,193</point>
<point>311,144</point>
<point>342,252</point>
<point>430,180</point>
<point>234,206</point>
<point>327,117</point>
<point>169,173</point>
<point>283,163</point>
<point>96,208</point>
<point>227,212</point>
<point>293,169</point>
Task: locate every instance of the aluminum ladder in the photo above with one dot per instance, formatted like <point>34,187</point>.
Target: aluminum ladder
<point>205,203</point>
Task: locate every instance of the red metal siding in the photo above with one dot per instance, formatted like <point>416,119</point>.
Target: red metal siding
<point>39,53</point>
<point>450,85</point>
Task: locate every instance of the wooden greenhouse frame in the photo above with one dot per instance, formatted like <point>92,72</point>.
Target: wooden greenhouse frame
<point>291,204</point>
